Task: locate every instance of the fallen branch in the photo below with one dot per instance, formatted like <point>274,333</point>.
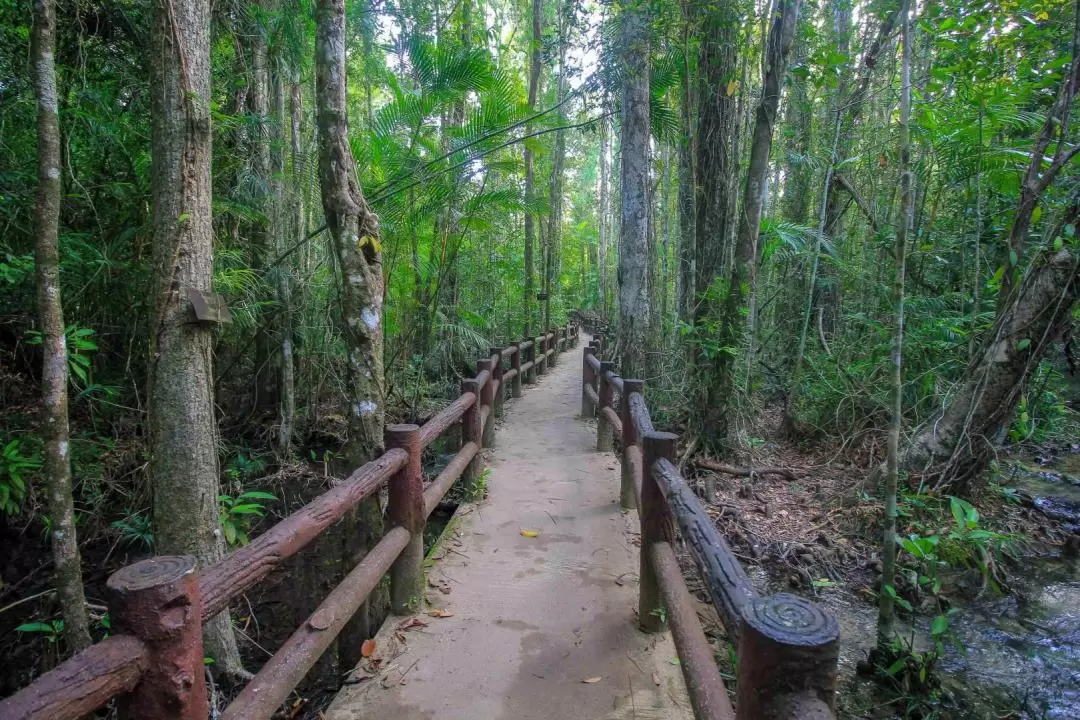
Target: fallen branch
<point>745,472</point>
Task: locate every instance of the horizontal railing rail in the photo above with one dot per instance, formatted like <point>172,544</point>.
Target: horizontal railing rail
<point>154,662</point>
<point>786,646</point>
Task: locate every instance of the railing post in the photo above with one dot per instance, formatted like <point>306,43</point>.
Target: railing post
<point>627,494</point>
<point>586,382</point>
<point>497,373</point>
<point>530,377</point>
<point>487,397</point>
<point>515,363</point>
<point>656,526</point>
<point>788,653</point>
<point>471,431</point>
<point>603,427</point>
<point>555,346</point>
<point>157,600</point>
<point>539,356</point>
<point>406,508</point>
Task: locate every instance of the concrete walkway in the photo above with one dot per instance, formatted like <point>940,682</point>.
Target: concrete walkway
<point>542,627</point>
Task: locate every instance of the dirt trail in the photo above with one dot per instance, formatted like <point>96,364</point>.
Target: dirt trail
<point>533,617</point>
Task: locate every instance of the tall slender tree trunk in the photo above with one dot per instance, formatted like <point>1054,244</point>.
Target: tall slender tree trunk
<point>687,256</point>
<point>744,268</point>
<point>286,212</point>
<point>602,211</point>
<point>263,232</point>
<point>56,466</point>
<point>355,234</point>
<point>530,181</point>
<point>903,227</point>
<point>634,312</point>
<point>183,428</point>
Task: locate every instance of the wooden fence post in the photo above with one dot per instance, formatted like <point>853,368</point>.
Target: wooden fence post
<point>406,508</point>
<point>471,431</point>
<point>515,363</point>
<point>497,374</point>
<point>539,354</point>
<point>530,353</point>
<point>656,526</point>
<point>788,653</point>
<point>555,340</point>
<point>157,600</point>
<point>627,492</point>
<point>603,427</point>
<point>586,382</point>
<point>487,396</point>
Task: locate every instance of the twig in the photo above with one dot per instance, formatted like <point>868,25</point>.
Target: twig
<point>745,472</point>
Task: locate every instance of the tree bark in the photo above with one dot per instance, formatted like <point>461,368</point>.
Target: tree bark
<point>903,228</point>
<point>56,465</point>
<point>634,312</point>
<point>182,425</point>
<point>530,181</point>
<point>355,234</point>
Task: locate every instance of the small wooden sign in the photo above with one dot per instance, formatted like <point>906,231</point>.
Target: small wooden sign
<point>208,307</point>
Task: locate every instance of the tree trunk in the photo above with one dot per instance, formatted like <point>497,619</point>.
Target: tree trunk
<point>605,224</point>
<point>530,181</point>
<point>183,428</point>
<point>263,231</point>
<point>903,228</point>
<point>634,312</point>
<point>56,465</point>
<point>744,268</point>
<point>355,234</point>
<point>717,127</point>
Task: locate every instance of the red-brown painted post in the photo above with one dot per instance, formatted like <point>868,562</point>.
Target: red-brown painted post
<point>627,494</point>
<point>157,600</point>
<point>406,508</point>
<point>603,427</point>
<point>586,382</point>
<point>515,363</point>
<point>788,653</point>
<point>497,373</point>
<point>487,398</point>
<point>471,431</point>
<point>657,525</point>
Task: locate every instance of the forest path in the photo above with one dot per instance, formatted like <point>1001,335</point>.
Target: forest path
<point>543,627</point>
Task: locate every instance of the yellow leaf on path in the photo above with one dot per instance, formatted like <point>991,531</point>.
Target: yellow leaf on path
<point>530,533</point>
<point>440,613</point>
<point>367,649</point>
<point>592,680</point>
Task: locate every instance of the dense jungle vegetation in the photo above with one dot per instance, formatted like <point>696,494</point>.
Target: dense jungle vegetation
<point>837,236</point>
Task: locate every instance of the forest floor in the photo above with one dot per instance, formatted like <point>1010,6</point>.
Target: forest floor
<point>1010,653</point>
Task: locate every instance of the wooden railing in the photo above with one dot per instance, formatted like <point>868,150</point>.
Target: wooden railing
<point>154,662</point>
<point>786,646</point>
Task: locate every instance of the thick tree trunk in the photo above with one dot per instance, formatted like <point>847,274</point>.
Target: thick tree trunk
<point>355,234</point>
<point>715,207</point>
<point>56,465</point>
<point>183,428</point>
<point>634,312</point>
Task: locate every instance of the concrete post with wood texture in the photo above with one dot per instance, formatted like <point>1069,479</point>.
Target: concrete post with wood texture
<point>657,525</point>
<point>497,373</point>
<point>627,493</point>
<point>487,397</point>
<point>788,653</point>
<point>540,354</point>
<point>471,431</point>
<point>515,363</point>
<point>157,600</point>
<point>530,356</point>
<point>586,382</point>
<point>406,509</point>
<point>603,427</point>
<point>555,340</point>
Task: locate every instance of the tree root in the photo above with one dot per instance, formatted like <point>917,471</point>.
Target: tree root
<point>745,472</point>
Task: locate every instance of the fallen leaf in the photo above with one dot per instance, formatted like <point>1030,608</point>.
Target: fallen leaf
<point>367,649</point>
<point>409,623</point>
<point>530,533</point>
<point>440,613</point>
<point>592,680</point>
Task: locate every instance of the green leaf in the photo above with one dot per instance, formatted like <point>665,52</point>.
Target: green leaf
<point>1013,259</point>
<point>230,533</point>
<point>1023,344</point>
<point>36,627</point>
<point>896,667</point>
<point>939,625</point>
